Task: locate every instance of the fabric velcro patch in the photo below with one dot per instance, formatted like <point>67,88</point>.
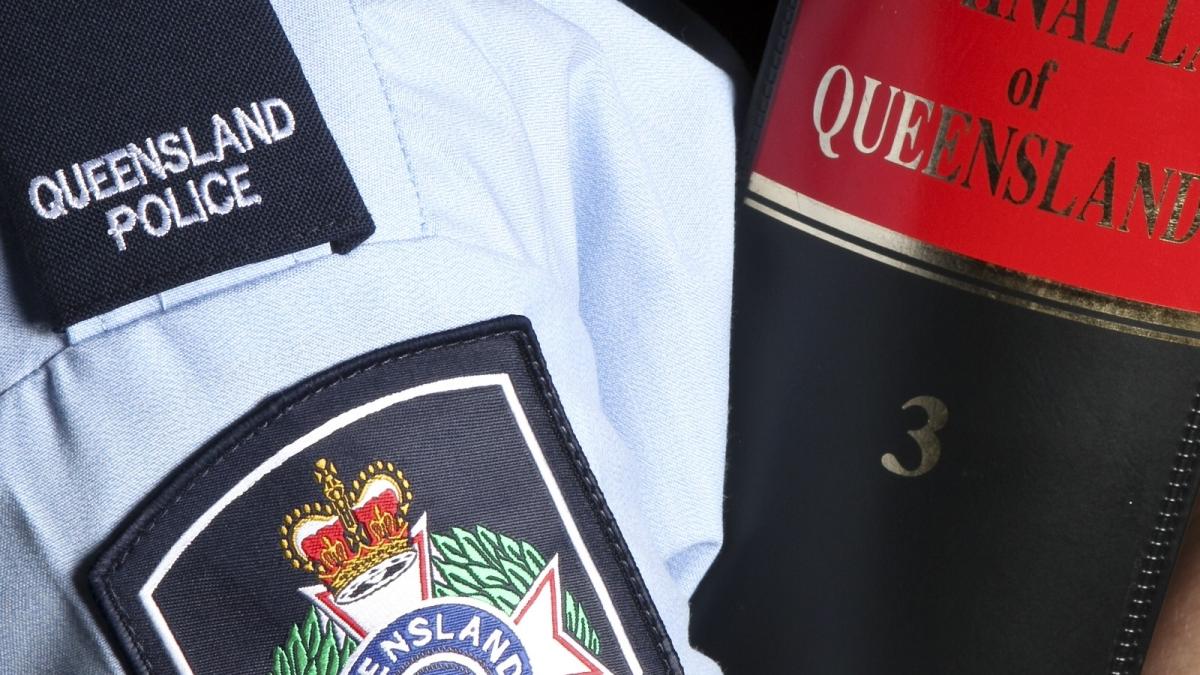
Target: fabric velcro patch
<point>126,172</point>
<point>421,509</point>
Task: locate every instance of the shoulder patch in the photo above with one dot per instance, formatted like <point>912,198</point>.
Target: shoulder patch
<point>422,509</point>
<point>124,176</point>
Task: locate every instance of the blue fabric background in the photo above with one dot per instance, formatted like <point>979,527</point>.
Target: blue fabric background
<point>562,160</point>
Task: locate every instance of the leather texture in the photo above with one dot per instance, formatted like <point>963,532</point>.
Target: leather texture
<point>1039,544</point>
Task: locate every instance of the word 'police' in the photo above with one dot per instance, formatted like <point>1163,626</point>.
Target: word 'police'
<point>215,193</point>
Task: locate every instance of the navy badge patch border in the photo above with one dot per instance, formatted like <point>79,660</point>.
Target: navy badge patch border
<point>424,508</point>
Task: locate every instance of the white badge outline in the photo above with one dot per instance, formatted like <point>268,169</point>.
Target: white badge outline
<point>502,380</point>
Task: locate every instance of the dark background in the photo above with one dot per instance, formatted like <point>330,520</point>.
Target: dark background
<point>745,25</point>
<point>742,26</point>
<point>1014,555</point>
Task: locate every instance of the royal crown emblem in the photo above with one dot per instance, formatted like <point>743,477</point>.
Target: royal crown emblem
<point>357,539</point>
<point>386,582</point>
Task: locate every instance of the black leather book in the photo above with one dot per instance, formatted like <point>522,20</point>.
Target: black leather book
<point>964,413</point>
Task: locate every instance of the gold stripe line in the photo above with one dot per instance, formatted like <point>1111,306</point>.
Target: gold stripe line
<point>970,288</point>
<point>1117,308</point>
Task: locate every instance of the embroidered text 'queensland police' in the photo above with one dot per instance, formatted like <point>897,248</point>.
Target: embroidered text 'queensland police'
<point>216,193</point>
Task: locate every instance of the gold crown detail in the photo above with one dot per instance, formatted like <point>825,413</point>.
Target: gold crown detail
<point>353,530</point>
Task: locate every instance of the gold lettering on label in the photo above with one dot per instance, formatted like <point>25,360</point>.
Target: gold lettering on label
<point>936,417</point>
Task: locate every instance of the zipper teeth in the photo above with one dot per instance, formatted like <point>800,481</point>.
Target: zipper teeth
<point>1129,649</point>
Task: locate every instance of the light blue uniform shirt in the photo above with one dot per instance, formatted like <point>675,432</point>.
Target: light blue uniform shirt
<point>562,160</point>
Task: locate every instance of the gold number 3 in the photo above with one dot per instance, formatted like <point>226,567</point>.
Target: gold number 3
<point>936,414</point>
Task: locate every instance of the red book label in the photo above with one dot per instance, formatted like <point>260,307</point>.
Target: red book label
<point>1053,139</point>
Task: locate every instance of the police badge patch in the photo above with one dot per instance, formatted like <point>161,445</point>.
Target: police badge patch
<point>422,510</point>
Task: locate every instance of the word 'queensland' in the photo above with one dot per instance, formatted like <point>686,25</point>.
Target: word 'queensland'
<point>1021,168</point>
<point>159,159</point>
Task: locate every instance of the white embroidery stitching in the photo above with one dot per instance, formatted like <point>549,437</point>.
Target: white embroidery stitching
<point>158,158</point>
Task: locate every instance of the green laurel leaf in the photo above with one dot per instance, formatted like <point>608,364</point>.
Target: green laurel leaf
<point>309,650</point>
<point>499,570</point>
<point>518,575</point>
<point>312,632</point>
<point>297,650</point>
<point>325,657</point>
<point>577,623</point>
